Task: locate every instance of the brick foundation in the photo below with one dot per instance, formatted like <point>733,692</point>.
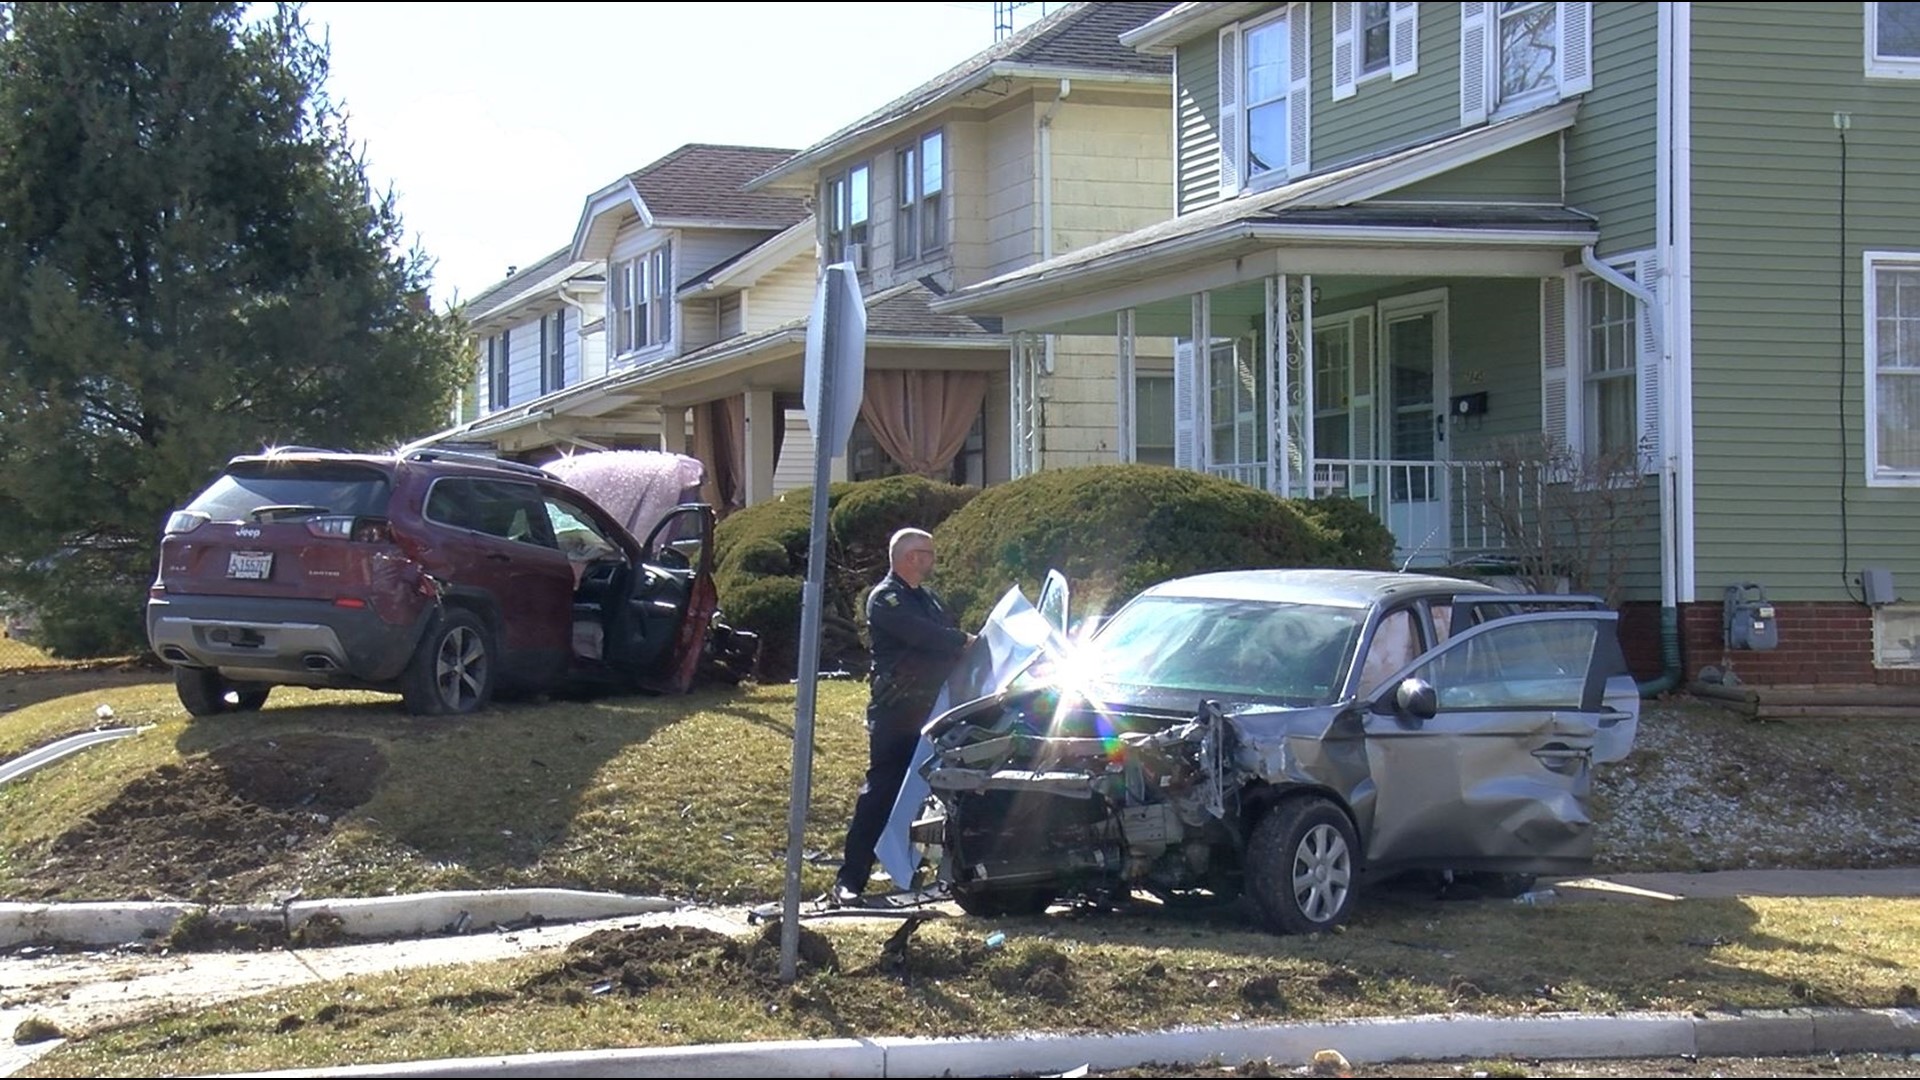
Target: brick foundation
<point>1820,642</point>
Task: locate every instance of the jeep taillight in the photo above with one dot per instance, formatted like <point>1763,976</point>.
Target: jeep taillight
<point>184,521</point>
<point>342,527</point>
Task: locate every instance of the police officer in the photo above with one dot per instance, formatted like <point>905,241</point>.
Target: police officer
<point>915,645</point>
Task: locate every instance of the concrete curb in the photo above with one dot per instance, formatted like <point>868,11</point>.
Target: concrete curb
<point>1416,1038</point>
<point>371,917</point>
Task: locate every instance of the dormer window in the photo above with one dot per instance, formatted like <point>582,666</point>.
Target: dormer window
<point>642,300</point>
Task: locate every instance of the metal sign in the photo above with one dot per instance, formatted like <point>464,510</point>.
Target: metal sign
<point>835,380</point>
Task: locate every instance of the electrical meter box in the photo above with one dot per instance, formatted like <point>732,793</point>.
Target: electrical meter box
<point>1749,618</point>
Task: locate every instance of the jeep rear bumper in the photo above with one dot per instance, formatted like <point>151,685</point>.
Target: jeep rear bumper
<point>303,642</point>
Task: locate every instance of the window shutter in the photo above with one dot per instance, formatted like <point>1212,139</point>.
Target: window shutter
<point>1186,406</point>
<point>1345,65</point>
<point>1229,126</point>
<point>1553,362</point>
<point>1576,49</point>
<point>1647,361</point>
<point>1405,38</point>
<point>1299,91</point>
<point>505,397</point>
<point>1475,44</point>
<point>541,361</point>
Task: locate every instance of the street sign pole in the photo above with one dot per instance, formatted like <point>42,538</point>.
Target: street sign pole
<point>835,372</point>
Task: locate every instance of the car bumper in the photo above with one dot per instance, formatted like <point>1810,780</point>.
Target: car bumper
<point>284,641</point>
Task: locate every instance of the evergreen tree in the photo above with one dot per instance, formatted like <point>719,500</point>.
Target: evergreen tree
<point>192,265</point>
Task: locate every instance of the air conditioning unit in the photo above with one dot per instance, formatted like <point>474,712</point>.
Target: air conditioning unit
<point>857,255</point>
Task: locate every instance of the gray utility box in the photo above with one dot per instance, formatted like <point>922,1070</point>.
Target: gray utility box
<point>1749,618</point>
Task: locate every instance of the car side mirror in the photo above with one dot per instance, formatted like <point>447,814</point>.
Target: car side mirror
<point>1415,699</point>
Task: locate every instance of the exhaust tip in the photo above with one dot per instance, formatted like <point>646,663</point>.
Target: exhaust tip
<point>319,662</point>
<point>174,654</point>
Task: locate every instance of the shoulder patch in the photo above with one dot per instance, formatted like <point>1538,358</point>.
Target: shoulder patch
<point>893,599</point>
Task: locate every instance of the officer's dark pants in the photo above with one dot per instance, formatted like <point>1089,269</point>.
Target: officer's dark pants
<point>892,734</point>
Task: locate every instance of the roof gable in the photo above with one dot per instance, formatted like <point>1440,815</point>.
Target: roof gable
<point>1078,38</point>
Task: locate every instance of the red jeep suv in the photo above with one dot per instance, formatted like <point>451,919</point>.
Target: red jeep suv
<point>440,575</point>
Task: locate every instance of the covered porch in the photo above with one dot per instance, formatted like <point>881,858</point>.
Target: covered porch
<point>935,403</point>
<point>1405,357</point>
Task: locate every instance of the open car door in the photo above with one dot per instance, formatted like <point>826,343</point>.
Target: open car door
<point>1481,751</point>
<point>671,601</point>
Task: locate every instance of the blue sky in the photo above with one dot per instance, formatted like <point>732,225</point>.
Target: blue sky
<point>494,122</point>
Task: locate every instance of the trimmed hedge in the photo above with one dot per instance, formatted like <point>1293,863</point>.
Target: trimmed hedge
<point>1115,529</point>
<point>760,563</point>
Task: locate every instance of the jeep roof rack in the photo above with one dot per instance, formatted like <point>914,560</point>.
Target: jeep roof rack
<point>458,458</point>
<point>276,451</point>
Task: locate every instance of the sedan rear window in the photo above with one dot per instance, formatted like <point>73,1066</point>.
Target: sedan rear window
<point>328,487</point>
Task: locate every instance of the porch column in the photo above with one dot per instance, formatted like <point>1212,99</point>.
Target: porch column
<point>673,428</point>
<point>1022,399</point>
<point>762,415</point>
<point>1126,408</point>
<point>1289,347</point>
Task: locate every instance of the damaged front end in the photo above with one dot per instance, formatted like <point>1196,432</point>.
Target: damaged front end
<point>1043,797</point>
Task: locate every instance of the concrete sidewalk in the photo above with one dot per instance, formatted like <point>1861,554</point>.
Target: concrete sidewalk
<point>77,991</point>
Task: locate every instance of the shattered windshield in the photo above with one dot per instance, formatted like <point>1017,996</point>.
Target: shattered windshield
<point>1244,650</point>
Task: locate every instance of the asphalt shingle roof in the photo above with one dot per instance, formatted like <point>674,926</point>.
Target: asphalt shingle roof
<point>704,182</point>
<point>522,280</point>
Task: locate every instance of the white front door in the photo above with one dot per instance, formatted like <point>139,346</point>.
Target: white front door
<point>1413,381</point>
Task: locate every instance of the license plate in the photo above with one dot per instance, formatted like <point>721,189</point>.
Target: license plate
<point>250,565</point>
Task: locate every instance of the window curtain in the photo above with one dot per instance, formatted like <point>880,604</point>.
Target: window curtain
<point>720,441</point>
<point>921,418</point>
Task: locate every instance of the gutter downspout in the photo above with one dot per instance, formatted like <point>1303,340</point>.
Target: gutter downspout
<point>1046,192</point>
<point>567,298</point>
<point>1670,665</point>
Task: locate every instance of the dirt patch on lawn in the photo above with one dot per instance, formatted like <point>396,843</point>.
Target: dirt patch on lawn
<point>636,961</point>
<point>217,825</point>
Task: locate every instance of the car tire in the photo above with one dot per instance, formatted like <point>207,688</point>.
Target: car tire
<point>995,903</point>
<point>1303,866</point>
<point>201,690</point>
<point>249,700</point>
<point>452,673</point>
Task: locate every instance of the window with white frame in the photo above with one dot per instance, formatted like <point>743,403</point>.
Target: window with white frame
<point>642,300</point>
<point>1263,126</point>
<point>1376,37</point>
<point>1528,43</point>
<point>1893,40</point>
<point>1267,83</point>
<point>919,183</point>
<point>1609,370</point>
<point>1153,419</point>
<point>1373,41</point>
<point>1893,368</point>
<point>1519,56</point>
<point>1237,411</point>
<point>848,204</point>
<point>553,351</point>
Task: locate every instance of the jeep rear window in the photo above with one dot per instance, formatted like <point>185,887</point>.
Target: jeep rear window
<point>336,487</point>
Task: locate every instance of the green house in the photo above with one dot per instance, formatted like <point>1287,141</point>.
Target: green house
<point>1626,294</point>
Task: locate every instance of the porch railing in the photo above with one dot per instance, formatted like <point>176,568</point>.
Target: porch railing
<point>1440,512</point>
